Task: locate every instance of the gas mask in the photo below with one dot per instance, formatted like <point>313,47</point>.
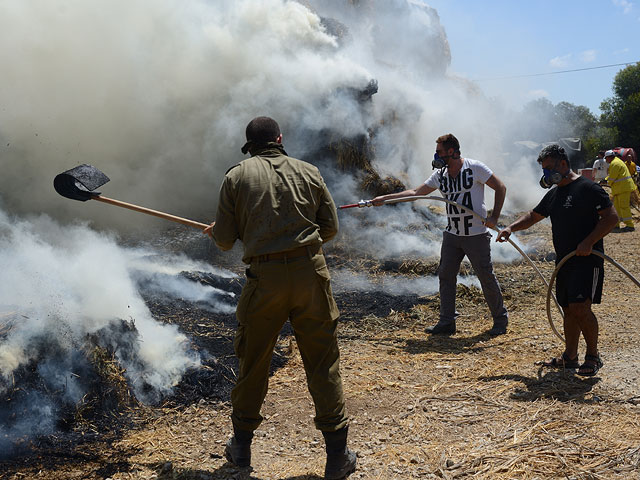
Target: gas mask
<point>550,177</point>
<point>439,162</point>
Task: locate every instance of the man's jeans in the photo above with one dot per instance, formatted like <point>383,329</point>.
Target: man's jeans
<point>477,248</point>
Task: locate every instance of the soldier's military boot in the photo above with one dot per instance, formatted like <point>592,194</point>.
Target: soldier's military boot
<point>341,462</point>
<point>238,448</point>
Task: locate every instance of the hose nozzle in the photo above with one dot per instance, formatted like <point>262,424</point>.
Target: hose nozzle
<point>360,204</point>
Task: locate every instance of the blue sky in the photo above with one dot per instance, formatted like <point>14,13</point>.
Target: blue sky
<point>499,38</point>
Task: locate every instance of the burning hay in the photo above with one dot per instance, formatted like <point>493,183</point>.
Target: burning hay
<point>6,323</point>
<point>36,399</point>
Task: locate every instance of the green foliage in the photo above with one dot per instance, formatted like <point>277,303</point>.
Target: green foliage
<point>622,111</point>
<point>575,120</point>
<point>602,138</point>
<point>618,126</point>
<point>627,82</point>
<point>542,121</point>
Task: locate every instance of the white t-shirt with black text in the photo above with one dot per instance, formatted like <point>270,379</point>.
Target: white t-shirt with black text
<point>467,189</point>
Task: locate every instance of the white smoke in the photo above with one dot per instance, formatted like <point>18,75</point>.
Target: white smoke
<point>345,280</point>
<point>157,94</point>
<point>75,281</point>
<point>60,285</point>
<point>159,274</point>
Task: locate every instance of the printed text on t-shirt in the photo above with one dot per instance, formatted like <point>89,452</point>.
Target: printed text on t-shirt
<point>450,188</point>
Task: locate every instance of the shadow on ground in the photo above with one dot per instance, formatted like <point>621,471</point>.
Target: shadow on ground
<point>561,385</point>
<point>224,472</point>
<point>452,343</point>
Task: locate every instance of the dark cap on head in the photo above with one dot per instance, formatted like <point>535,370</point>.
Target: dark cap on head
<point>260,131</point>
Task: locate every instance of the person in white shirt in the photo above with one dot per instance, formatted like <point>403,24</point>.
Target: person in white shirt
<point>462,180</point>
<point>600,168</point>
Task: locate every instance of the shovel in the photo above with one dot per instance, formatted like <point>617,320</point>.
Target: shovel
<point>80,182</point>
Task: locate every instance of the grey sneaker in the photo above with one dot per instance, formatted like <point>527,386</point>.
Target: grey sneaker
<point>497,330</point>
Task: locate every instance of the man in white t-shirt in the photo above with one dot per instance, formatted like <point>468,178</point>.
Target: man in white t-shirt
<point>600,168</point>
<point>462,181</point>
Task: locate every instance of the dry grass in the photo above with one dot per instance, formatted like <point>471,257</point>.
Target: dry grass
<point>466,406</point>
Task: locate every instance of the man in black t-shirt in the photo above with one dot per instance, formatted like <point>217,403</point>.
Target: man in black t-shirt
<point>581,215</point>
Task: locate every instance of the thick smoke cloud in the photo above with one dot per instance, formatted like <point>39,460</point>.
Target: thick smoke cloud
<point>157,94</point>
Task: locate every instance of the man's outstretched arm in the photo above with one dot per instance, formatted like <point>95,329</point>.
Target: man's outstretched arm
<point>423,189</point>
<point>522,223</point>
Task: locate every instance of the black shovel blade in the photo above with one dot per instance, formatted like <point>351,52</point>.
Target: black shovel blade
<point>80,182</point>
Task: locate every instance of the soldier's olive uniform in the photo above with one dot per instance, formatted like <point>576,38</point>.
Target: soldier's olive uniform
<point>282,211</point>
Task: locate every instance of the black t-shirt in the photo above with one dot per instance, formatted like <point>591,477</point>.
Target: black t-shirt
<point>574,214</point>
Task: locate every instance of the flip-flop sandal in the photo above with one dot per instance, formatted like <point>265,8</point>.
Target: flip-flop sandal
<point>562,362</point>
<point>592,363</point>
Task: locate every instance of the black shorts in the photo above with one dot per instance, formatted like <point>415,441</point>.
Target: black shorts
<point>578,283</point>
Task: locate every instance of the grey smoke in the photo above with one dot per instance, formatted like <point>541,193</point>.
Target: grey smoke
<point>157,94</point>
<point>74,281</point>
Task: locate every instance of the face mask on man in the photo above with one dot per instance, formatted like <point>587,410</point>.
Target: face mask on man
<point>440,162</point>
<point>551,177</point>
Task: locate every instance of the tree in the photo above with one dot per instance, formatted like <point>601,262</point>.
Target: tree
<point>574,120</point>
<point>622,111</point>
<point>536,121</point>
<point>542,121</point>
<point>602,138</point>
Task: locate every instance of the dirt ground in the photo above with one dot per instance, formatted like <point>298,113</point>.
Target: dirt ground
<point>465,406</point>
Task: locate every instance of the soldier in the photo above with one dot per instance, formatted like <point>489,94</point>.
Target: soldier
<point>282,211</point>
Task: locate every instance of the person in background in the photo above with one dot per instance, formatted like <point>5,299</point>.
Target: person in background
<point>621,185</point>
<point>628,157</point>
<point>462,180</point>
<point>282,211</point>
<point>600,168</point>
<point>631,165</point>
<point>581,215</point>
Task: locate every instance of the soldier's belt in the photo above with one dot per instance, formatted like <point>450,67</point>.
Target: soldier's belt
<point>306,251</point>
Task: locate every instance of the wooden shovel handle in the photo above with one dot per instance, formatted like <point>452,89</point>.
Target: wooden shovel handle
<point>148,211</point>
